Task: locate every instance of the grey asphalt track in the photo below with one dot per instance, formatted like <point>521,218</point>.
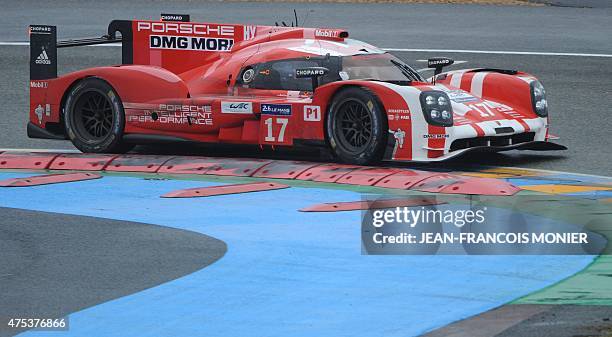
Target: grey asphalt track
<point>565,321</point>
<point>56,264</point>
<point>533,320</point>
<point>555,29</point>
<point>579,87</point>
<point>577,3</point>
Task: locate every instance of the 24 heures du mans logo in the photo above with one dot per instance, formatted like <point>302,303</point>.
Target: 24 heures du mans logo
<point>276,109</point>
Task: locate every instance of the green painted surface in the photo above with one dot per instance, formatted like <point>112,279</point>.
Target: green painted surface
<point>592,286</point>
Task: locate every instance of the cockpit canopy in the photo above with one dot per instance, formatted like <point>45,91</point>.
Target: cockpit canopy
<point>280,74</point>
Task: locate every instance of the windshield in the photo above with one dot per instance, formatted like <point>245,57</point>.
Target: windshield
<point>381,67</point>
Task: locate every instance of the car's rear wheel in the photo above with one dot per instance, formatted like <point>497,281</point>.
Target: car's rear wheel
<point>94,117</point>
<point>356,126</point>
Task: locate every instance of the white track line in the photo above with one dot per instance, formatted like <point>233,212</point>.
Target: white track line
<point>21,43</point>
<point>14,44</point>
<point>466,51</point>
<point>40,150</point>
<point>504,52</point>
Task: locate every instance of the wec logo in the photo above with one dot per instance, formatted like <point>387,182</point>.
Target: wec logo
<point>236,107</point>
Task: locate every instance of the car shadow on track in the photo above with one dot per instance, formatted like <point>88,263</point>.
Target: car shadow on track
<point>469,161</point>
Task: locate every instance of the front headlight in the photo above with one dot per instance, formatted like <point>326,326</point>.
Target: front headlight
<point>437,108</point>
<point>538,99</point>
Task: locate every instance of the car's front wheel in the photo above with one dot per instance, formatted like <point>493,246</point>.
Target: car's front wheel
<point>94,118</point>
<point>357,126</point>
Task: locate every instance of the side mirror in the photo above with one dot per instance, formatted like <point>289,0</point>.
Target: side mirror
<point>438,63</point>
<point>312,72</point>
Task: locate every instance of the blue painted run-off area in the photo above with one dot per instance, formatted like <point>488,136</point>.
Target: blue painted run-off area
<point>286,273</point>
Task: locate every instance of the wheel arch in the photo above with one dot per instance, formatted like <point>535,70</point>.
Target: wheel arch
<point>127,82</point>
<point>366,93</point>
<point>106,134</point>
<point>331,91</point>
<point>67,92</point>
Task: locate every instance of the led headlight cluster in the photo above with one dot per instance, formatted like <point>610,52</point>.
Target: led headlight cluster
<point>437,108</point>
<point>538,99</point>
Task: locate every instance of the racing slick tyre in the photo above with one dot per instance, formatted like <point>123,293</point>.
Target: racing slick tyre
<point>94,118</point>
<point>356,126</point>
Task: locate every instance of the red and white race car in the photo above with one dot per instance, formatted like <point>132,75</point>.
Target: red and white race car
<point>277,86</point>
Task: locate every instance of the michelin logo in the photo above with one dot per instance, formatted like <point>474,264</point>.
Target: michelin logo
<point>43,58</point>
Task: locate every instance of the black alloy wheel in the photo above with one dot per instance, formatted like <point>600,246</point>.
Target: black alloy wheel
<point>94,118</point>
<point>93,115</point>
<point>356,126</point>
<point>355,131</point>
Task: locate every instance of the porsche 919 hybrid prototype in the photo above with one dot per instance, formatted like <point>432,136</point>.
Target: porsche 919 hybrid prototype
<point>277,86</point>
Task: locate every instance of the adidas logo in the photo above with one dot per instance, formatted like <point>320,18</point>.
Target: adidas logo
<point>43,58</point>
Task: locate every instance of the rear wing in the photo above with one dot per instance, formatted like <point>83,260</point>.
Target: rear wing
<point>44,45</point>
<point>174,43</point>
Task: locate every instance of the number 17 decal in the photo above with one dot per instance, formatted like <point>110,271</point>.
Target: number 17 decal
<point>276,130</point>
<point>483,109</point>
